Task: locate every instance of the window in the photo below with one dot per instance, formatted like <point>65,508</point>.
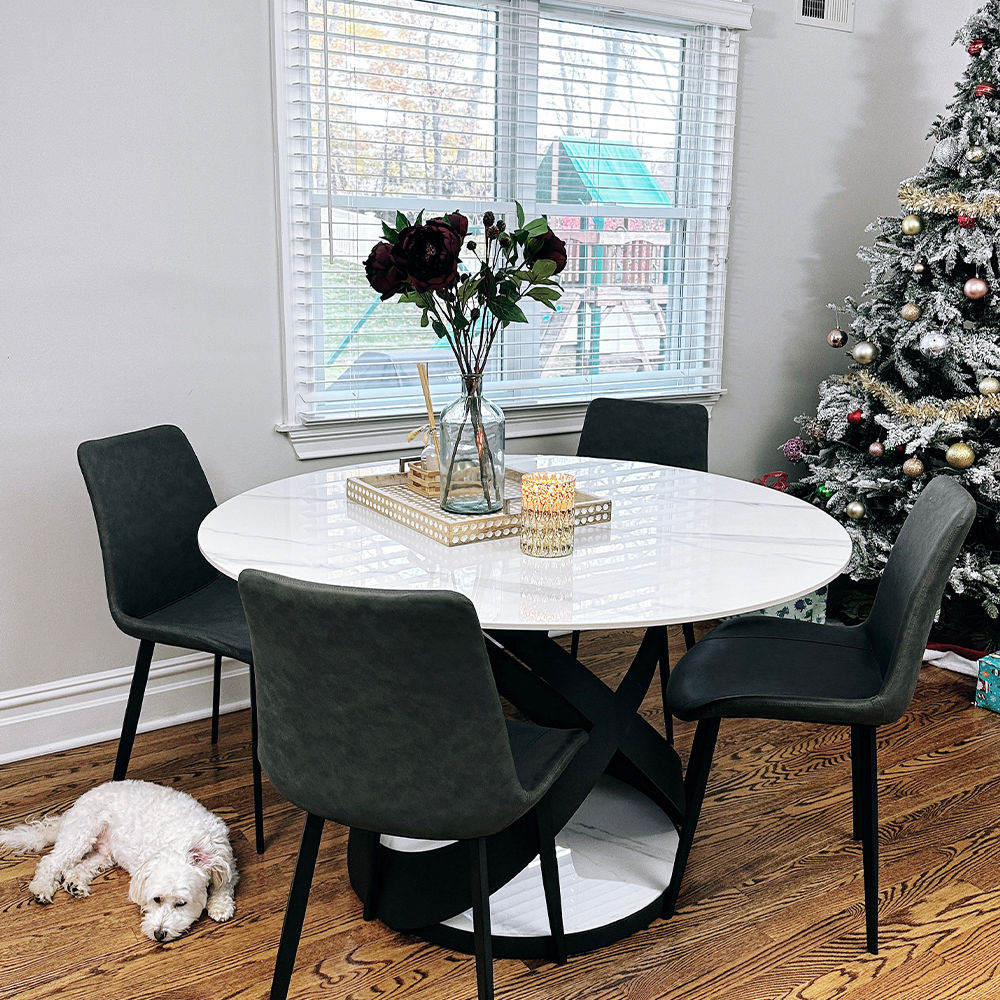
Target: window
<point>616,126</point>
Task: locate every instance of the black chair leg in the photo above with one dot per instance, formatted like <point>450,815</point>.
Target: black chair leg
<point>133,707</point>
<point>688,629</point>
<point>295,910</point>
<point>481,919</point>
<point>668,719</point>
<point>216,688</point>
<point>857,793</point>
<point>550,880</point>
<point>695,781</point>
<point>869,830</point>
<point>376,866</point>
<point>258,789</point>
<point>574,644</point>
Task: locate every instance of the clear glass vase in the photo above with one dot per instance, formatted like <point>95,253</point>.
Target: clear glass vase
<point>472,452</point>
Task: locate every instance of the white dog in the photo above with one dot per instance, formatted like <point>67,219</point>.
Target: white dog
<point>176,851</point>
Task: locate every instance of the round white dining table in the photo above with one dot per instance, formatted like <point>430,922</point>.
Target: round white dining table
<point>680,546</point>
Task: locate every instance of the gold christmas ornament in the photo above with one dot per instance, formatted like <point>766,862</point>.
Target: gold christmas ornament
<point>864,353</point>
<point>960,456</point>
<point>817,429</point>
<point>855,510</point>
<point>976,288</point>
<point>975,154</point>
<point>912,225</point>
<point>989,386</point>
<point>913,467</point>
<point>910,312</point>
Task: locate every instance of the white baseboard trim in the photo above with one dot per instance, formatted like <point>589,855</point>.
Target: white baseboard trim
<point>87,709</point>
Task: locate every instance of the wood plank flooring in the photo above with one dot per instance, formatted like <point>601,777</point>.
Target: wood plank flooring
<point>771,908</point>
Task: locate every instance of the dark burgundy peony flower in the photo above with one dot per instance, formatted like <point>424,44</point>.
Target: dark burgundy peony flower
<point>548,246</point>
<point>458,222</point>
<point>428,255</point>
<point>382,273</point>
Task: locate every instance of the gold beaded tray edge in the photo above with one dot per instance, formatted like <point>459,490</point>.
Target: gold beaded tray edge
<point>389,494</point>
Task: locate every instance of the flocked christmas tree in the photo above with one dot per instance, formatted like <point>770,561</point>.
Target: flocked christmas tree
<point>922,397</point>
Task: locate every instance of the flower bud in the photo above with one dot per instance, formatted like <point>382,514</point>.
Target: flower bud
<point>501,225</point>
<point>488,219</point>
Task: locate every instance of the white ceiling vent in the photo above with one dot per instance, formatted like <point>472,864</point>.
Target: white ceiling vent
<point>838,14</point>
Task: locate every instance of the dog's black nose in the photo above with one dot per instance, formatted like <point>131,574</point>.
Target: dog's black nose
<point>160,935</point>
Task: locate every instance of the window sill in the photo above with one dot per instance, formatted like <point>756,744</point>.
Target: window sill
<point>375,435</point>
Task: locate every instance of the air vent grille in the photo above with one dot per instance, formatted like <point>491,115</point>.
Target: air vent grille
<point>837,14</point>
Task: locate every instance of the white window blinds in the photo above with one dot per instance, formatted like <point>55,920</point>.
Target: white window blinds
<point>618,128</point>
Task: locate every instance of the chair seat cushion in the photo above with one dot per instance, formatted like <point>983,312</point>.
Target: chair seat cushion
<point>210,619</point>
<point>776,668</point>
<point>541,754</point>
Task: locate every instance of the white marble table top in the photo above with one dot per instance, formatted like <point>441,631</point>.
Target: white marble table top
<point>680,546</point>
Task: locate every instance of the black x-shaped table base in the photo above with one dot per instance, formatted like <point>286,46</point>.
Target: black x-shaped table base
<point>549,686</point>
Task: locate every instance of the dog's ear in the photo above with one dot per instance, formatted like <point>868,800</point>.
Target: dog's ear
<point>137,885</point>
<point>212,861</point>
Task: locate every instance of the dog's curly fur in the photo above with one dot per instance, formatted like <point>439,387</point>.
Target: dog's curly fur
<point>176,851</point>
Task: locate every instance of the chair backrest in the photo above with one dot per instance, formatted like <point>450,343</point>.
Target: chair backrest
<point>149,494</point>
<point>911,588</point>
<point>643,430</point>
<point>378,709</point>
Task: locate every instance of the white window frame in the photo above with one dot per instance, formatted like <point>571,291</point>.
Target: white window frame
<point>375,434</point>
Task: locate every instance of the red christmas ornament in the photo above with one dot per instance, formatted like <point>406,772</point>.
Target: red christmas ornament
<point>967,222</point>
<point>855,417</point>
<point>976,46</point>
<point>984,90</point>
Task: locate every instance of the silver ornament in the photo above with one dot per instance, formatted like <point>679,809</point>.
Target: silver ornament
<point>989,386</point>
<point>864,353</point>
<point>948,151</point>
<point>934,344</point>
<point>975,154</point>
<point>855,510</point>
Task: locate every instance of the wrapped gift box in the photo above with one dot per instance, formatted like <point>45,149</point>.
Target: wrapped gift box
<point>811,608</point>
<point>988,683</point>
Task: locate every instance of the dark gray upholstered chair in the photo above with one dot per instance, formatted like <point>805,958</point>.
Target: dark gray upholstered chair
<point>150,494</point>
<point>861,676</point>
<point>645,430</point>
<point>378,710</point>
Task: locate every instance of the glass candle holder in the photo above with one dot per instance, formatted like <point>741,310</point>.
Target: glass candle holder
<point>547,513</point>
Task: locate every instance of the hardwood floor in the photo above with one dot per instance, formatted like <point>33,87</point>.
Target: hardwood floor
<point>771,908</point>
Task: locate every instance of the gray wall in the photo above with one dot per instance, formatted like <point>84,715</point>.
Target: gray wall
<point>138,256</point>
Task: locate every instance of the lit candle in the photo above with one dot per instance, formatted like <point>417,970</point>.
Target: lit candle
<point>547,513</point>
